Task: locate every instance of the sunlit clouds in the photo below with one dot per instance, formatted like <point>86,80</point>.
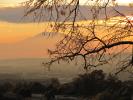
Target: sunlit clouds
<point>124,2</point>
<point>10,3</point>
<point>7,3</point>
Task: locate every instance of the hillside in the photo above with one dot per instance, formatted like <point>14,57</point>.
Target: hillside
<point>35,46</point>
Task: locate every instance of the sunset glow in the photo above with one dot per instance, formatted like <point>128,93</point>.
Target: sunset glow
<point>17,2</point>
<point>66,49</point>
<point>124,2</point>
<point>18,32</point>
<point>13,30</point>
<point>10,2</point>
<point>130,18</point>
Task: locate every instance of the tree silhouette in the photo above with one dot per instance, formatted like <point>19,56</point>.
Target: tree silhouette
<point>104,34</point>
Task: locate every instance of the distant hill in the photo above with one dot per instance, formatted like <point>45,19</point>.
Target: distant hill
<point>44,35</point>
<point>16,14</point>
<point>35,46</point>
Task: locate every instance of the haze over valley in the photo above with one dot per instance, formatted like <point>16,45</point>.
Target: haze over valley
<point>24,43</point>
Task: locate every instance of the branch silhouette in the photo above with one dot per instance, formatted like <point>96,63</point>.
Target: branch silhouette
<point>94,37</point>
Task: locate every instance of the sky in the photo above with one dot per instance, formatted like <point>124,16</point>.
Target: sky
<point>13,31</point>
<point>10,2</point>
<point>9,19</point>
<point>16,2</point>
<point>124,1</point>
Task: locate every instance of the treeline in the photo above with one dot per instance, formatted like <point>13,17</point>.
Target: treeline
<point>95,86</point>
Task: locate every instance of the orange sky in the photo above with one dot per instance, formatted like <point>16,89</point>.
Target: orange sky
<point>16,2</point>
<point>10,32</point>
<point>13,32</point>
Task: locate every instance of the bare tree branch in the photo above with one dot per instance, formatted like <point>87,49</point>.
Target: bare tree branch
<point>92,39</point>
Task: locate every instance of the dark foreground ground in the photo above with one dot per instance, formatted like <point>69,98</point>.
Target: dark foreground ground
<point>90,86</point>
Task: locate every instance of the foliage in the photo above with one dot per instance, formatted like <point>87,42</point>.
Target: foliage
<point>95,85</point>
<point>99,86</point>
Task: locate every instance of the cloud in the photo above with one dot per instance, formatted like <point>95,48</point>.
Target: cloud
<point>15,14</point>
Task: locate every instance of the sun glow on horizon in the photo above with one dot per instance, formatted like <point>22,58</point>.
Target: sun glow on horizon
<point>10,3</point>
<point>130,17</point>
<point>17,32</point>
<point>124,2</point>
